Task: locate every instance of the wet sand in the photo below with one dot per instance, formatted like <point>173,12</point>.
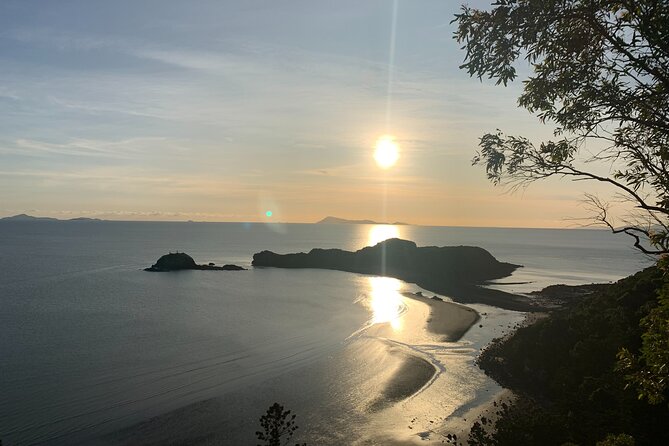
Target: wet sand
<point>448,319</point>
<point>392,367</point>
<point>412,375</point>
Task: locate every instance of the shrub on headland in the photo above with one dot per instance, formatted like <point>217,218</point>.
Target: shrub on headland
<point>565,371</point>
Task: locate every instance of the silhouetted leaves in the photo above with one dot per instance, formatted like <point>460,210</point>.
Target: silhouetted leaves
<point>600,73</point>
<point>278,426</point>
<point>617,440</point>
<point>648,371</point>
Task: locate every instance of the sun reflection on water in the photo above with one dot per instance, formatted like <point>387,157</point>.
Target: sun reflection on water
<point>379,233</point>
<point>386,301</point>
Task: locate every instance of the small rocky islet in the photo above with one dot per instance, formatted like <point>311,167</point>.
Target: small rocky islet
<point>179,261</point>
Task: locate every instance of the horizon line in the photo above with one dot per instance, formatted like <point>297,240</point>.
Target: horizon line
<point>93,219</point>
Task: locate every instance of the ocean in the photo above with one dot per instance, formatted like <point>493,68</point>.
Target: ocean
<point>93,350</point>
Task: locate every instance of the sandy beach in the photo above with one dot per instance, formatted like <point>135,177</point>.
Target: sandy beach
<point>449,336</point>
<point>443,321</point>
<point>393,375</point>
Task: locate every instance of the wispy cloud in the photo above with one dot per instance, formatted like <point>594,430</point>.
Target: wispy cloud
<point>122,149</point>
<point>183,109</point>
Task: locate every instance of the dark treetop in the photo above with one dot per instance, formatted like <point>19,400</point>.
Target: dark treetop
<point>179,261</point>
<point>453,270</point>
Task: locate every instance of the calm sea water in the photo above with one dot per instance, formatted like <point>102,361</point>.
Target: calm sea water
<point>90,343</point>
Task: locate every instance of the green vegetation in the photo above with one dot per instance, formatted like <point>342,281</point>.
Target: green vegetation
<point>600,76</point>
<point>649,371</point>
<point>564,370</point>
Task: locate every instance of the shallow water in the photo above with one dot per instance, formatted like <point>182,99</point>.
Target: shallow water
<point>91,344</point>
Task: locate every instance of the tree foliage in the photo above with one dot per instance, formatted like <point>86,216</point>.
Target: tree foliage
<point>648,371</point>
<point>563,370</point>
<point>599,71</point>
<point>278,426</point>
<point>617,440</point>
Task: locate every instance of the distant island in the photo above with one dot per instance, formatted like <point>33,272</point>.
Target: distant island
<point>326,220</point>
<point>179,261</point>
<point>26,217</point>
<point>84,219</point>
<point>456,271</point>
<point>343,221</point>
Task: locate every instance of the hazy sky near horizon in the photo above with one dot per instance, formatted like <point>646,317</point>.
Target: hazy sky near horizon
<point>222,110</point>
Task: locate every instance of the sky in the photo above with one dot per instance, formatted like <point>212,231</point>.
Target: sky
<point>223,110</point>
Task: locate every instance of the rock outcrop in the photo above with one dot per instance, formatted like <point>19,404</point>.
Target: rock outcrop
<point>181,261</point>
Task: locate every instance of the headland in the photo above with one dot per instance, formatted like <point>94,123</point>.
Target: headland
<point>456,271</point>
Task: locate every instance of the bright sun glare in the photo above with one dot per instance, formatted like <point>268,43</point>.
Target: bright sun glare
<point>379,233</point>
<point>386,301</point>
<point>386,152</point>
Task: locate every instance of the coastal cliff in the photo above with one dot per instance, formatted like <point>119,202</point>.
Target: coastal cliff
<point>453,270</point>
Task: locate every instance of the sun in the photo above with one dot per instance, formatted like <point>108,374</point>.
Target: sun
<point>386,152</point>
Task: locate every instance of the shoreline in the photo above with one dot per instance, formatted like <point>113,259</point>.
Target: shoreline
<point>413,373</point>
<point>425,417</point>
<point>430,322</point>
<point>450,319</point>
<point>460,272</point>
<point>460,424</point>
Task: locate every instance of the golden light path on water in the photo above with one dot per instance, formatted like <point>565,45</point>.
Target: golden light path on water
<point>379,233</point>
<point>386,301</point>
<point>398,349</point>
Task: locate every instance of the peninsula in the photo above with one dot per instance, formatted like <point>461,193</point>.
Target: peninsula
<point>456,271</point>
<point>179,261</point>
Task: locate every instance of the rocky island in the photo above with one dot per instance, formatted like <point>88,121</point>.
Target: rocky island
<point>181,261</point>
<point>457,271</point>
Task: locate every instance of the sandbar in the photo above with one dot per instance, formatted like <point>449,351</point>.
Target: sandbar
<point>447,319</point>
<point>411,376</point>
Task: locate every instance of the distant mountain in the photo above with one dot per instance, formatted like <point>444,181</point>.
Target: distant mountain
<point>26,217</point>
<point>343,221</point>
